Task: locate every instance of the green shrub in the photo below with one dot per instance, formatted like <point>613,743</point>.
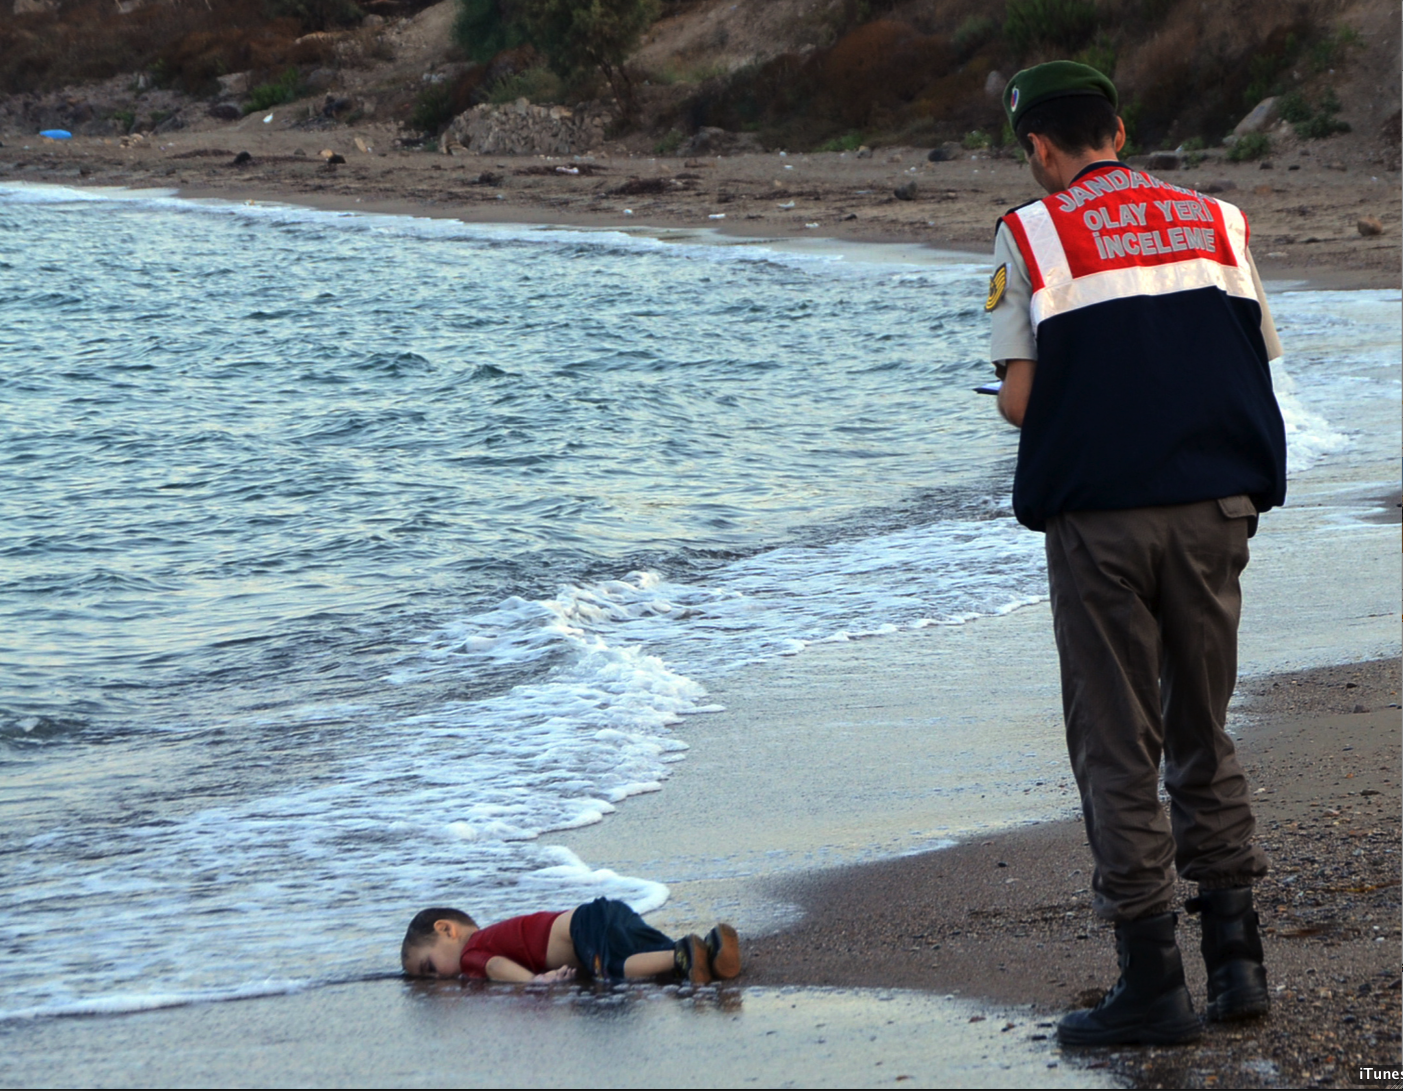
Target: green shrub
<point>1293,107</point>
<point>125,118</point>
<point>433,107</point>
<point>483,28</point>
<point>974,32</point>
<point>669,143</point>
<point>1313,122</point>
<point>976,140</point>
<point>1251,146</point>
<point>1265,69</point>
<point>538,84</point>
<point>848,143</point>
<point>580,37</point>
<point>285,88</point>
<point>703,72</point>
<point>1332,49</point>
<point>1192,149</point>
<point>1320,126</point>
<point>1058,24</point>
<point>1100,54</point>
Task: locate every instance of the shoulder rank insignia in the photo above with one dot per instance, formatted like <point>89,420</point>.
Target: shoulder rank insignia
<point>997,283</point>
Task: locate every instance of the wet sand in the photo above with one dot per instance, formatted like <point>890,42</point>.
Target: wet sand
<point>1008,917</point>
<point>392,1034</point>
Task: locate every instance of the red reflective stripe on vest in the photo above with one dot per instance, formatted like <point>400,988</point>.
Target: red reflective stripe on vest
<point>1118,232</point>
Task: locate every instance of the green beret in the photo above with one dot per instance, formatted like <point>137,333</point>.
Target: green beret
<point>1055,79</point>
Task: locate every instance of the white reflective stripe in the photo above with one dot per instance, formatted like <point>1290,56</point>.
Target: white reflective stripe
<point>1236,224</point>
<point>1046,244</point>
<point>1179,276</point>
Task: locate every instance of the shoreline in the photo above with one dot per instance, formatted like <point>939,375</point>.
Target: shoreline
<point>1303,223</point>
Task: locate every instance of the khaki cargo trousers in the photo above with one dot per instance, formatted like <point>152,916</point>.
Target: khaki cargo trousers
<point>1145,607</point>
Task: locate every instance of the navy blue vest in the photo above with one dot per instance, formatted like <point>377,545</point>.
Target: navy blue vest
<point>1152,384</point>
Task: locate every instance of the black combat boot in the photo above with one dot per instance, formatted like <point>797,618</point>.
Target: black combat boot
<point>1232,952</point>
<point>1149,1003</point>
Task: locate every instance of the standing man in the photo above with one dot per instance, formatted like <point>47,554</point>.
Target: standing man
<point>1132,336</point>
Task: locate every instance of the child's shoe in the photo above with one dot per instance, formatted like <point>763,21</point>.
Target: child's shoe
<point>723,951</point>
<point>690,959</point>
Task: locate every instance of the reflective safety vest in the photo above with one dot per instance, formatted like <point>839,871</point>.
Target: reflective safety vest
<point>1152,384</point>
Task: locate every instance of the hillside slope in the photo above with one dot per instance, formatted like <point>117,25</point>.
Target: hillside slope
<point>800,74</point>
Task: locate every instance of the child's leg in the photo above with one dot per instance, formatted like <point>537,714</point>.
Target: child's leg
<point>650,963</point>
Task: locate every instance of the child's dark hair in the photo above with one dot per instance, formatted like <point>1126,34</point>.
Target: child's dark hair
<point>1073,122</point>
<point>421,928</point>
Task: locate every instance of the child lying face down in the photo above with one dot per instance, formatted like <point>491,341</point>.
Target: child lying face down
<point>602,938</point>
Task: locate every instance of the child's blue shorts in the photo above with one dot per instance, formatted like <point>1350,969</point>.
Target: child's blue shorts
<point>605,933</point>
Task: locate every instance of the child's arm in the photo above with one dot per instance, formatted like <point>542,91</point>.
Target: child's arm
<point>500,968</point>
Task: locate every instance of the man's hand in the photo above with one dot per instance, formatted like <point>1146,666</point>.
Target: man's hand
<point>562,973</point>
<point>1013,395</point>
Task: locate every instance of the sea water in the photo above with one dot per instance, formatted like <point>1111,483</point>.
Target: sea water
<point>347,556</point>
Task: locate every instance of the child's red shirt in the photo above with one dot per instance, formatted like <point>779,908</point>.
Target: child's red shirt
<point>521,939</point>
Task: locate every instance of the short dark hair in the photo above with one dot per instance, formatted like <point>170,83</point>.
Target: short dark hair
<point>421,928</point>
<point>1072,122</point>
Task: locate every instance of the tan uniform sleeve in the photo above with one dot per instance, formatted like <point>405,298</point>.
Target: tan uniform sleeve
<point>1273,342</point>
<point>1011,321</point>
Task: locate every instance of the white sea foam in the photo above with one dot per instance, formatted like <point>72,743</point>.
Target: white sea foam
<point>1309,437</point>
<point>46,193</point>
<point>126,1003</point>
<point>1339,382</point>
<point>834,257</point>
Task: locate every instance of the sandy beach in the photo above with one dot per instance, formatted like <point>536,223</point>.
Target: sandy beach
<point>1008,917</point>
<point>892,935</point>
<point>1303,212</point>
